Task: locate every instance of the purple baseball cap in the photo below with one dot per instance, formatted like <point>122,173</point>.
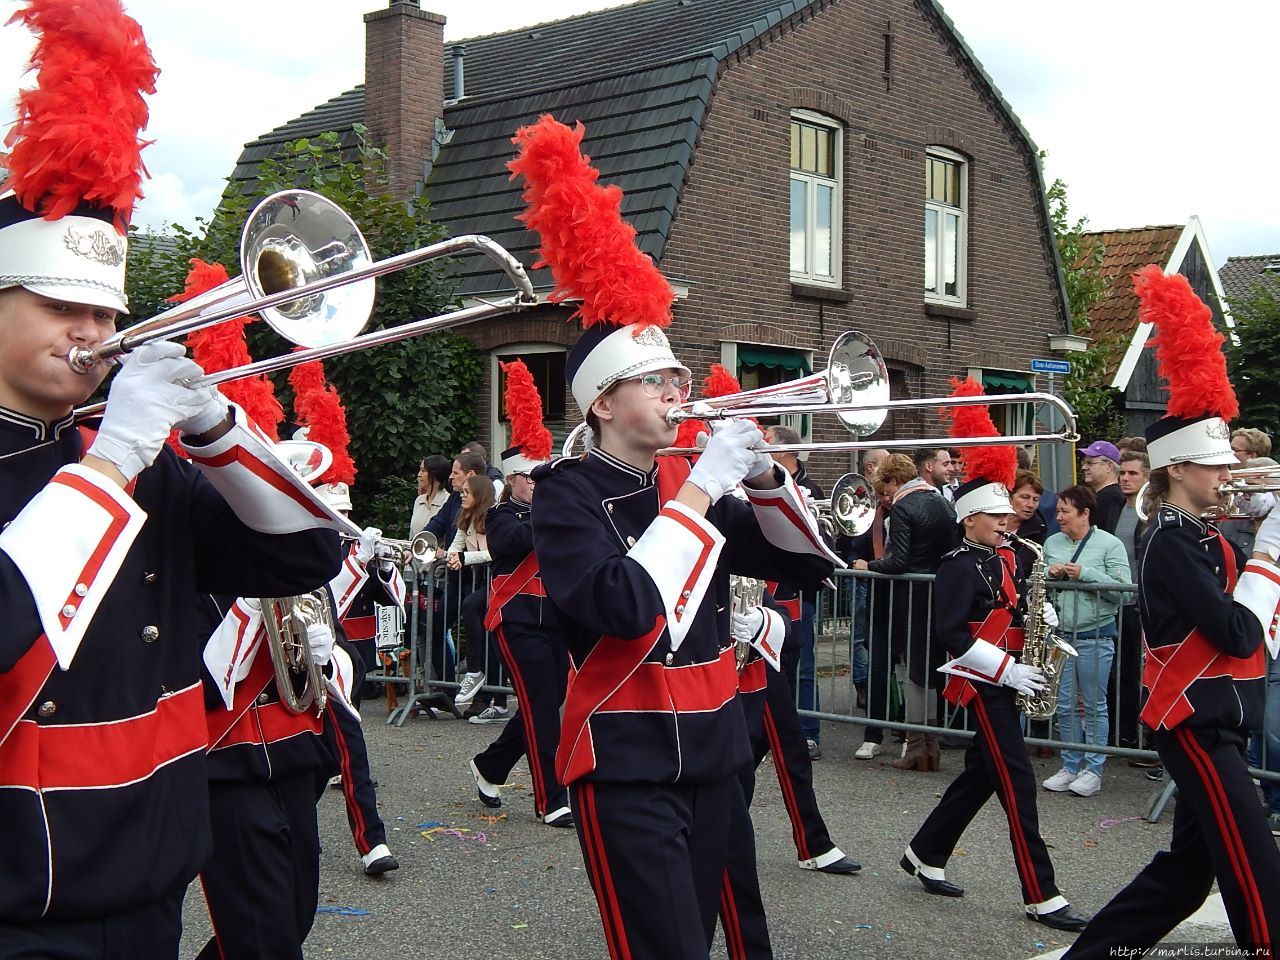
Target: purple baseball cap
<point>1102,448</point>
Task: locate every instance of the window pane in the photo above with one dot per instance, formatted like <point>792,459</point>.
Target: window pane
<point>931,179</point>
<point>795,145</point>
<point>953,184</point>
<point>799,206</point>
<point>950,255</point>
<point>808,148</point>
<point>824,217</point>
<point>825,166</point>
<point>930,250</point>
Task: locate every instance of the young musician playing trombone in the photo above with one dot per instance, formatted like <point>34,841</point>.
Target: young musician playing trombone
<point>1210,622</point>
<point>636,561</point>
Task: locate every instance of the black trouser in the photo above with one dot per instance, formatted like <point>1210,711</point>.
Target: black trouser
<point>262,882</point>
<point>344,736</point>
<point>1219,831</point>
<point>996,762</point>
<point>656,857</point>
<point>539,668</point>
<point>151,930</point>
<point>742,916</point>
<point>1124,689</point>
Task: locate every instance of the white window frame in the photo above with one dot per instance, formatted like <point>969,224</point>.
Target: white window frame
<point>837,202</point>
<point>962,232</point>
<point>798,422</point>
<point>497,429</point>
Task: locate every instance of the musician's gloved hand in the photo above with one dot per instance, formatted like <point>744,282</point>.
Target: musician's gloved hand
<point>746,625</point>
<point>726,458</point>
<point>1256,505</point>
<point>320,640</point>
<point>212,411</point>
<point>367,545</point>
<point>1050,615</point>
<point>1267,539</point>
<point>146,401</point>
<point>1023,679</point>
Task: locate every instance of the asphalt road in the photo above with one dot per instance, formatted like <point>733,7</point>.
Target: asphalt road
<point>474,886</point>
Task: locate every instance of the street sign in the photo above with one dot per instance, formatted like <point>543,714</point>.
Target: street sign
<point>1051,366</point>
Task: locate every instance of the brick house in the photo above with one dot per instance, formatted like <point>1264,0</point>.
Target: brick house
<point>771,155</point>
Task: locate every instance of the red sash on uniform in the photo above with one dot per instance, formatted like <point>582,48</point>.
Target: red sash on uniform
<point>522,580</point>
<point>994,629</point>
<point>753,678</point>
<point>792,606</point>
<point>239,724</point>
<point>1170,671</point>
<point>360,628</point>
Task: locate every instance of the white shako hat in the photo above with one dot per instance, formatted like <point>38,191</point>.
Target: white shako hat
<point>605,355</point>
<point>981,495</point>
<point>78,258</point>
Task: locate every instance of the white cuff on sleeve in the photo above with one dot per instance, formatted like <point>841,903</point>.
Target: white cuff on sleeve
<point>338,680</point>
<point>1258,589</point>
<point>769,640</point>
<point>347,584</point>
<point>69,542</point>
<point>786,522</point>
<point>679,552</point>
<point>229,652</point>
<point>983,661</point>
<point>259,486</point>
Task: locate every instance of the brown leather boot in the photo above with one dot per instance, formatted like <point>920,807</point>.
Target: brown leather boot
<point>933,750</point>
<point>916,756</point>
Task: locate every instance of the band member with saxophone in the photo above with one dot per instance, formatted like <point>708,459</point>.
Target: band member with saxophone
<point>979,613</point>
<point>1210,622</point>
<point>635,553</point>
<point>108,537</point>
<point>521,619</point>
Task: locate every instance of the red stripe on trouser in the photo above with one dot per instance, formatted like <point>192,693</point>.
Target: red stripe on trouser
<point>526,719</point>
<point>1021,852</point>
<point>788,788</point>
<point>733,944</point>
<point>348,784</point>
<point>615,932</point>
<point>1230,831</point>
<point>217,940</point>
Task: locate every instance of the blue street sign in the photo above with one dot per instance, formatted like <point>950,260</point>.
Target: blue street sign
<point>1051,366</point>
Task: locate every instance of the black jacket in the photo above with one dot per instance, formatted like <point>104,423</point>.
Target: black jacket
<point>1110,502</point>
<point>922,529</point>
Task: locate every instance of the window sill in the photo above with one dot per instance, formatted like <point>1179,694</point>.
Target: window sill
<point>951,311</point>
<point>812,291</point>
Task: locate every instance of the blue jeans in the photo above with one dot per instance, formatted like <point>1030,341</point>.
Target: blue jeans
<point>807,689</point>
<point>1088,674</point>
<point>858,636</point>
<point>1271,736</point>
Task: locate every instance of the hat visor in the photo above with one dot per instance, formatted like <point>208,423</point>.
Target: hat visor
<point>75,293</point>
<point>1213,460</point>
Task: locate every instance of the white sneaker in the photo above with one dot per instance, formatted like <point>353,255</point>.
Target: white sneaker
<point>868,750</point>
<point>471,682</point>
<point>491,714</point>
<point>1087,784</point>
<point>1061,781</point>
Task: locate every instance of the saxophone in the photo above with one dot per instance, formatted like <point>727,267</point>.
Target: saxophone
<point>1044,649</point>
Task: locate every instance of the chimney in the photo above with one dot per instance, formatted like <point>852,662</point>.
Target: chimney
<point>404,87</point>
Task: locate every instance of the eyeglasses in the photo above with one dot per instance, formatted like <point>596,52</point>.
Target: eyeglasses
<point>655,385</point>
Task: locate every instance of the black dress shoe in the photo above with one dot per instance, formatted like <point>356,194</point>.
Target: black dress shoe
<point>1064,918</point>
<point>842,867</point>
<point>382,865</point>
<point>942,888</point>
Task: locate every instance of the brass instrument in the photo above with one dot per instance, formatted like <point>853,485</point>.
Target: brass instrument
<point>1244,481</point>
<point>851,508</point>
<point>421,549</point>
<point>1043,649</point>
<point>745,592</point>
<point>286,620</point>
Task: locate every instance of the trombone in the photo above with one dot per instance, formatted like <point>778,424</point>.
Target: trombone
<point>306,269</point>
<point>1244,481</point>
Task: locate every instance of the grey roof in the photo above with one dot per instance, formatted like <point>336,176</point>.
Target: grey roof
<point>639,76</point>
<point>1240,275</point>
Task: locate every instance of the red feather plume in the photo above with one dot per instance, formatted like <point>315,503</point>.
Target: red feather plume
<point>317,406</point>
<point>1188,349</point>
<point>223,346</point>
<point>76,134</point>
<point>591,250</point>
<point>998,464</point>
<point>524,410</point>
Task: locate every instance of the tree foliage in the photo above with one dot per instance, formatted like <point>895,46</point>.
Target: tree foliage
<point>1085,387</point>
<point>1255,359</point>
<point>403,400</point>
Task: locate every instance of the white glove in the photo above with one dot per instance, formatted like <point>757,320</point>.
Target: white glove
<point>320,640</point>
<point>746,626</point>
<point>1023,679</point>
<point>727,457</point>
<point>146,401</point>
<point>367,545</point>
<point>1050,615</point>
<point>1267,539</point>
<point>1256,505</point>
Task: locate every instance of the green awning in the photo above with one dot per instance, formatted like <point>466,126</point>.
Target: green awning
<point>1012,382</point>
<point>764,357</point>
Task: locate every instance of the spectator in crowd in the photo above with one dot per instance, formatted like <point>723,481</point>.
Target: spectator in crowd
<point>871,461</point>
<point>922,528</point>
<point>1124,690</point>
<point>1248,442</point>
<point>433,492</point>
<point>490,471</point>
<point>470,548</point>
<point>1026,521</point>
<point>934,466</point>
<point>1101,474</point>
<point>863,547</point>
<point>1131,445</point>
<point>1083,552</point>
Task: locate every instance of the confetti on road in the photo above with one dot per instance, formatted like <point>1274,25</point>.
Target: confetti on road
<point>343,911</point>
<point>1116,821</point>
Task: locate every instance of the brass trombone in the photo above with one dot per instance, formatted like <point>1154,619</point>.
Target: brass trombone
<point>1244,481</point>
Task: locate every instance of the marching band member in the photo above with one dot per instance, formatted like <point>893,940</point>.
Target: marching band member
<point>979,609</point>
<point>534,654</point>
<point>635,555</point>
<point>108,538</point>
<point>1210,622</point>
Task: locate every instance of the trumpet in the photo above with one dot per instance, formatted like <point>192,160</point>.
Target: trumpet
<point>306,270</point>
<point>421,549</point>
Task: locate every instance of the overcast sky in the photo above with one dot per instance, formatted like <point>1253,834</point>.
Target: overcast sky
<point>1151,110</point>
